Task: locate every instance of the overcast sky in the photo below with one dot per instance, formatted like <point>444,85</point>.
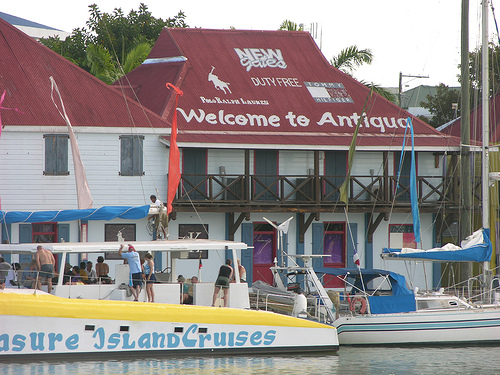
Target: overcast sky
<point>412,37</point>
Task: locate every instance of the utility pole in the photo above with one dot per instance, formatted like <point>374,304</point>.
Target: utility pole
<point>401,75</point>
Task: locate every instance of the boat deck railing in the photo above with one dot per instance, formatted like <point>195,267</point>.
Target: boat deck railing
<point>478,289</point>
<point>284,304</point>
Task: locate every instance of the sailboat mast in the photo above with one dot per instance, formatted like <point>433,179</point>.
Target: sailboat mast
<point>465,227</point>
<point>485,123</point>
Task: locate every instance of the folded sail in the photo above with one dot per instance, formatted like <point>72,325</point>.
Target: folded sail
<point>476,248</point>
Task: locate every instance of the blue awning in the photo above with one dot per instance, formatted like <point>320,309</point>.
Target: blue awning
<point>102,213</point>
<point>397,281</point>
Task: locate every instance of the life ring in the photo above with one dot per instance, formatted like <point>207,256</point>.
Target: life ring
<point>352,305</point>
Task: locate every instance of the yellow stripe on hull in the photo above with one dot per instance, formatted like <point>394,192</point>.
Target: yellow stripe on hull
<point>46,305</point>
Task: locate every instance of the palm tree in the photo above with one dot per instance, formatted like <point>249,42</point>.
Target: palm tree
<point>104,67</point>
<point>348,60</point>
<point>381,91</point>
<point>351,58</point>
<point>291,26</point>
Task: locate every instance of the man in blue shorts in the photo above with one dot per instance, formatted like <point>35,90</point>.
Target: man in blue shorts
<point>45,263</point>
<point>134,262</point>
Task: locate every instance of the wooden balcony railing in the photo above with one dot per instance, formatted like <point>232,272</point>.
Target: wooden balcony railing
<point>303,190</point>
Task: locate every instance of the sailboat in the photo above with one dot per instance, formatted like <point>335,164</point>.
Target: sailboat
<point>377,308</point>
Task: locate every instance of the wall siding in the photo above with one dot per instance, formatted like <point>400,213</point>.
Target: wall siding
<point>24,187</point>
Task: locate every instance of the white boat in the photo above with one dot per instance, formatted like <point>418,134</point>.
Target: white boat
<point>83,319</point>
<point>377,308</point>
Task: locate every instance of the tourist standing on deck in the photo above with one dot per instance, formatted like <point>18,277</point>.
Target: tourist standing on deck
<point>242,271</point>
<point>45,263</point>
<point>134,262</point>
<point>225,276</point>
<point>149,276</point>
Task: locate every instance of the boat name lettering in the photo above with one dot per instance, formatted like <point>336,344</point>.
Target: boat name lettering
<point>294,120</point>
<point>46,342</point>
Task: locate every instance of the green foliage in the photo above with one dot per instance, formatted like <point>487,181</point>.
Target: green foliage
<point>73,47</point>
<point>112,39</point>
<point>351,58</point>
<point>101,63</point>
<point>475,75</point>
<point>441,105</point>
<point>291,26</point>
<point>136,56</point>
<point>381,91</point>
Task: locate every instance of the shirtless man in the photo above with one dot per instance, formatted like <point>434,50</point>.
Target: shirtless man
<point>45,263</point>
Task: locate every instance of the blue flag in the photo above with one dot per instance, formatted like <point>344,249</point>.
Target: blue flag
<point>413,188</point>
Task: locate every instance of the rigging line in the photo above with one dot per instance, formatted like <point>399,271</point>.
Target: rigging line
<point>408,272</point>
<point>124,95</point>
<point>194,208</point>
<point>394,195</point>
<point>495,19</point>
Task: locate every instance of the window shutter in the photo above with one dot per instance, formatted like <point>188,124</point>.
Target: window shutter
<point>62,154</point>
<point>126,156</point>
<point>50,155</point>
<point>63,232</point>
<point>131,155</point>
<point>25,233</point>
<point>247,255</point>
<point>137,156</point>
<point>56,154</point>
<point>317,243</point>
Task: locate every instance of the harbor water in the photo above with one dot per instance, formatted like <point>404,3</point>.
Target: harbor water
<point>475,360</point>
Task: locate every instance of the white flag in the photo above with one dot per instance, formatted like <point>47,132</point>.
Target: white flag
<point>82,187</point>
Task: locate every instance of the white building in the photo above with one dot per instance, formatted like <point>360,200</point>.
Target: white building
<point>265,125</point>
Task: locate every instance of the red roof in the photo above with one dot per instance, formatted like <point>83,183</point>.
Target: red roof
<point>267,87</point>
<point>476,118</point>
<point>24,75</point>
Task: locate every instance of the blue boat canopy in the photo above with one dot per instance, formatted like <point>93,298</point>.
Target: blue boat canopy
<point>102,213</point>
<point>401,300</point>
<point>475,248</point>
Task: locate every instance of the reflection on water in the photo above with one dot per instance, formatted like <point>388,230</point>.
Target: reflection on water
<point>362,361</point>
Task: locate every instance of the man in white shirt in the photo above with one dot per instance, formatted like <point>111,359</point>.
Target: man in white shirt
<point>160,218</point>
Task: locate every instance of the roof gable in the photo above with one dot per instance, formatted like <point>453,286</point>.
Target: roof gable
<point>266,82</point>
<point>24,75</point>
<point>476,117</point>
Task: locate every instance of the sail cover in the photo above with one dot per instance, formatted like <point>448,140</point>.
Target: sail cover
<point>475,248</point>
<point>102,213</point>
